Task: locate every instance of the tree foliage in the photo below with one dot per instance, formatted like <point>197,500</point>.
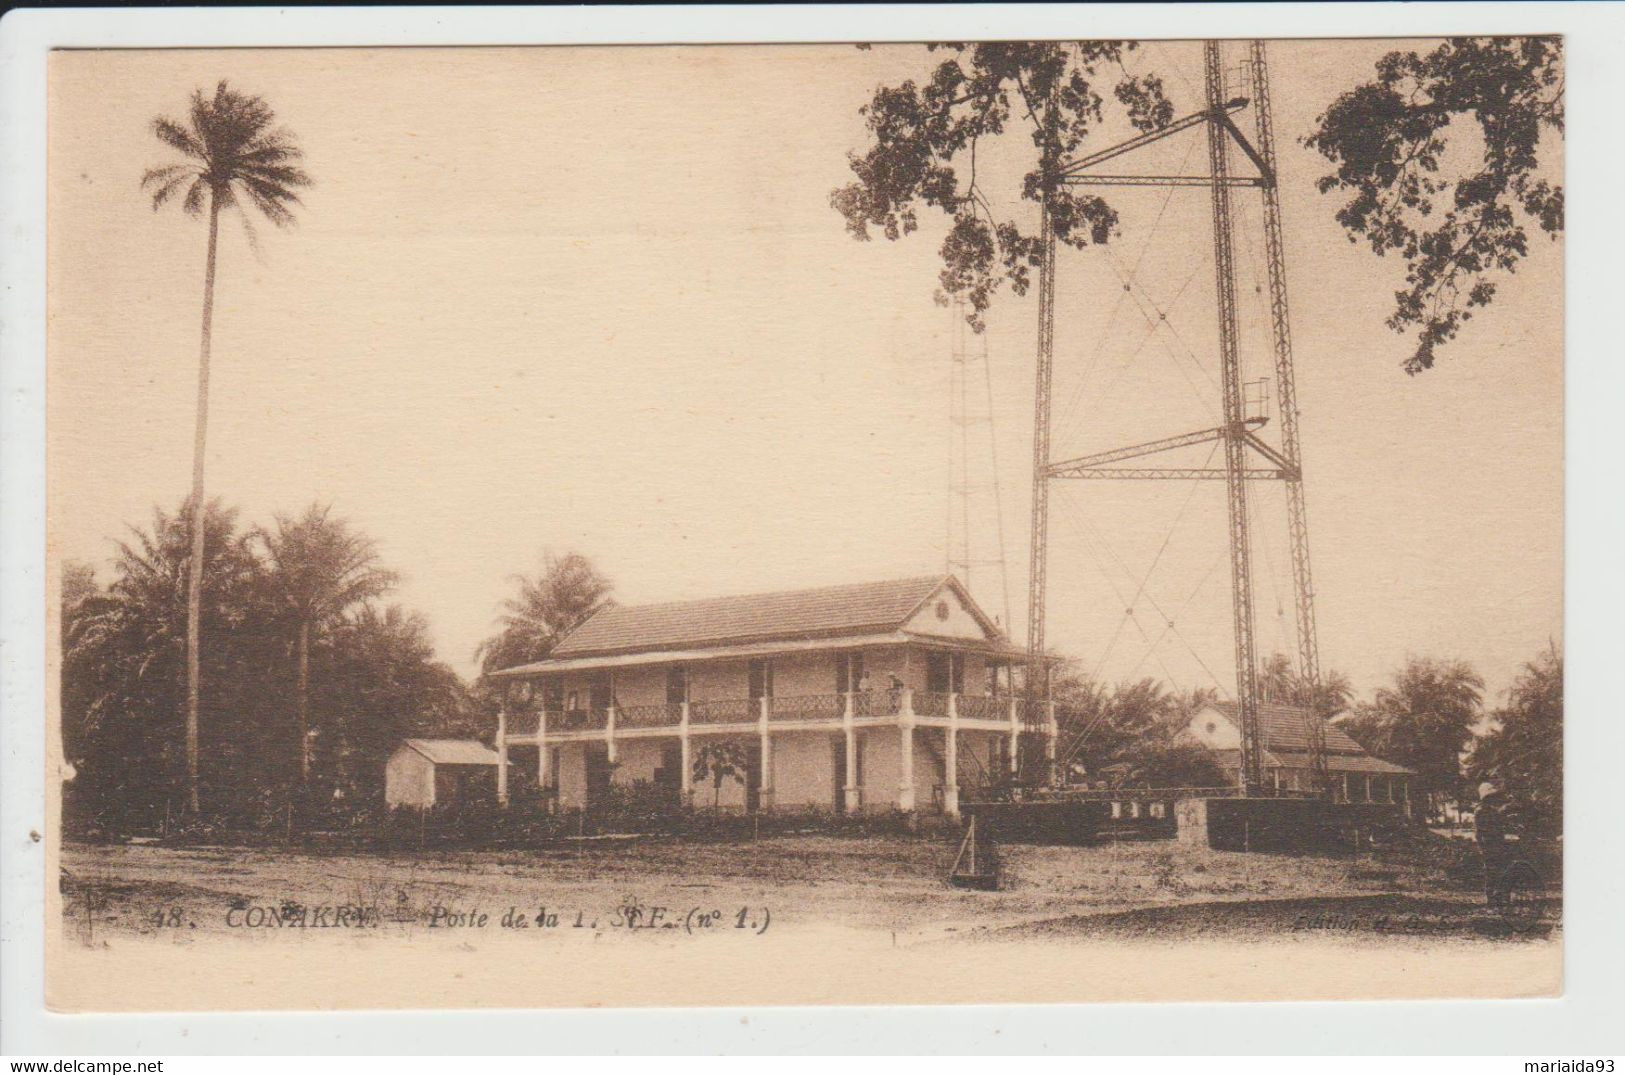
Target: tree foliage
<point>319,569</point>
<point>546,608</point>
<point>1280,682</point>
<point>320,566</point>
<point>375,681</point>
<point>123,679</point>
<point>1523,752</point>
<point>124,664</point>
<point>233,150</point>
<point>1398,141</point>
<point>926,140</point>
<point>1136,732</point>
<point>1424,721</point>
<point>716,761</point>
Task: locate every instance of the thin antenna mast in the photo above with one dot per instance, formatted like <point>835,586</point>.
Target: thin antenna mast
<point>1235,432</point>
<point>1037,581</point>
<point>973,541</point>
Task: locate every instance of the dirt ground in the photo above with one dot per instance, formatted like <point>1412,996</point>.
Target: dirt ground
<point>1158,889</point>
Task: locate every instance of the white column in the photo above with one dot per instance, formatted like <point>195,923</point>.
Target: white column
<point>950,761</point>
<point>765,792</point>
<point>854,794</point>
<point>543,770</point>
<point>687,782</point>
<point>609,733</point>
<point>502,755</point>
<point>905,738</point>
<point>1052,735</point>
<point>1015,733</point>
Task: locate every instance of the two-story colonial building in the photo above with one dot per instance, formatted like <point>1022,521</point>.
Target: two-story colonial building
<point>875,696</point>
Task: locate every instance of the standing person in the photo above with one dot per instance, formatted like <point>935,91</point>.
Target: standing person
<point>1495,843</point>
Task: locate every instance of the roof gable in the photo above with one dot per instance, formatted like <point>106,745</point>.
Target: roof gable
<point>950,612</point>
<point>852,609</point>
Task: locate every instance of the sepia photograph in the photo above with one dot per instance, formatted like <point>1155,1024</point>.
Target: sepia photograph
<point>967,522</point>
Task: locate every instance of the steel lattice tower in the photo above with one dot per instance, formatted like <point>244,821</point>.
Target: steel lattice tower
<point>1303,588</point>
<point>1243,449</point>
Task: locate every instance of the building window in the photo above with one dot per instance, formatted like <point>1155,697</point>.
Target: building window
<point>677,684</point>
<point>849,673</point>
<point>761,679</point>
<point>601,692</point>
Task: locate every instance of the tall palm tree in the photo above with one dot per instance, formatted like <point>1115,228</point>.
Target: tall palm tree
<point>320,569</point>
<point>233,154</point>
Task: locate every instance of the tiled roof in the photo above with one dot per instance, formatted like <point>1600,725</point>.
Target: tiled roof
<point>796,614</point>
<point>1335,763</point>
<point>454,751</point>
<point>1230,758</point>
<point>1344,763</point>
<point>1286,727</point>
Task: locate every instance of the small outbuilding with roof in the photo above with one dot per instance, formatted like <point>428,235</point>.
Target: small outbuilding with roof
<point>435,772</point>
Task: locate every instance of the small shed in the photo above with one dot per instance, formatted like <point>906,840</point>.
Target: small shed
<point>430,772</point>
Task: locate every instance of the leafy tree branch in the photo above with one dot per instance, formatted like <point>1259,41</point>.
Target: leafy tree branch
<point>1392,139</point>
<point>925,135</point>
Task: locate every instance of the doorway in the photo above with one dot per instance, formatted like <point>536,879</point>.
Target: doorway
<point>944,672</point>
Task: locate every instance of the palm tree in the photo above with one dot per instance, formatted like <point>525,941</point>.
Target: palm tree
<point>232,153</point>
<point>1281,683</point>
<point>1429,714</point>
<point>320,569</point>
<point>547,608</point>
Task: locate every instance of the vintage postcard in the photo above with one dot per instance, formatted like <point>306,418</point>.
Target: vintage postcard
<point>1009,522</point>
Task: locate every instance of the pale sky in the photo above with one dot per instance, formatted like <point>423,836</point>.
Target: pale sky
<point>595,299</point>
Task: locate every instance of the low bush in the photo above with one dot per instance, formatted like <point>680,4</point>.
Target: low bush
<point>636,809</point>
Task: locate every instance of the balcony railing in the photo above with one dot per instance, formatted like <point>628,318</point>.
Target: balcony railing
<point>648,716</point>
<point>725,711</point>
<point>523,724</point>
<point>983,707</point>
<point>885,703</point>
<point>578,720</point>
<point>809,707</point>
<point>806,707</point>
